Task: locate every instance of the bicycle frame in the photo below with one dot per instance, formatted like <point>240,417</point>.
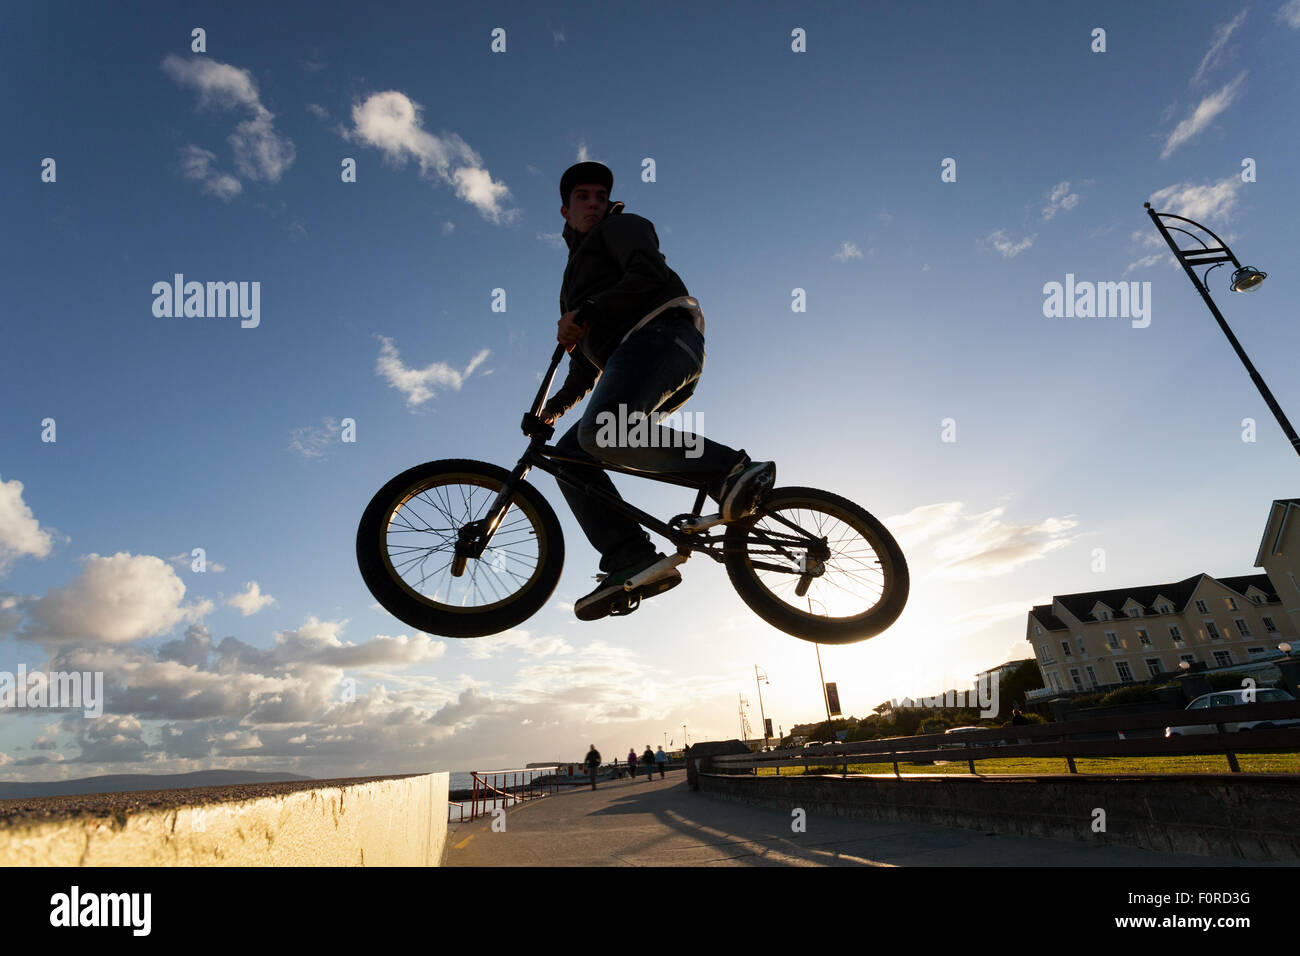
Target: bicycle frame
<point>473,538</point>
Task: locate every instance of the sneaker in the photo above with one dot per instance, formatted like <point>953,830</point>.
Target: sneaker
<point>610,597</point>
<point>743,486</point>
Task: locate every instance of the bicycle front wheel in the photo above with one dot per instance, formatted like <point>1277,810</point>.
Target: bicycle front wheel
<point>406,545</point>
<point>817,566</point>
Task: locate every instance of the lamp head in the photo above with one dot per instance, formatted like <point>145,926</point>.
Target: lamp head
<point>1247,279</point>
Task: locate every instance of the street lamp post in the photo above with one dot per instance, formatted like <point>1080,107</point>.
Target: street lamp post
<point>1244,279</point>
<point>761,713</point>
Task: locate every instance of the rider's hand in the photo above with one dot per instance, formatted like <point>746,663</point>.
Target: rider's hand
<point>569,331</point>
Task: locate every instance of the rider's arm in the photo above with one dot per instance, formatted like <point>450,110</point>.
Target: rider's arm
<point>582,376</point>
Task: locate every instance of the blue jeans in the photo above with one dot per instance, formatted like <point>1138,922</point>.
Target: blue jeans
<point>655,370</point>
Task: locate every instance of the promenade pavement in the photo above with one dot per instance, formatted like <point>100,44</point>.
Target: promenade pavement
<point>663,823</point>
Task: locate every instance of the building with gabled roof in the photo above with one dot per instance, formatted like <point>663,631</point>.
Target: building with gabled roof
<point>1099,640</point>
<point>1279,554</point>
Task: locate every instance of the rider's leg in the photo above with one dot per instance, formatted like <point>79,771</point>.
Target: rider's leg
<point>653,371</point>
<point>620,540</point>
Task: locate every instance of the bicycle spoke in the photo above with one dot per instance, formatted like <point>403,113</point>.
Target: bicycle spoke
<point>851,581</point>
<point>427,526</point>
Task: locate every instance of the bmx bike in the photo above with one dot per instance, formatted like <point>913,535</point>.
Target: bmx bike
<point>464,548</point>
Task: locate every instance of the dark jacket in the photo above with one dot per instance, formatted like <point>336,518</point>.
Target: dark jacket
<point>616,275</point>
<point>593,758</point>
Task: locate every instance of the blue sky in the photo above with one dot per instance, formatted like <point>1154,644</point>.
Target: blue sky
<point>774,170</point>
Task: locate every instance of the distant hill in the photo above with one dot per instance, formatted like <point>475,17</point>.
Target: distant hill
<point>119,782</point>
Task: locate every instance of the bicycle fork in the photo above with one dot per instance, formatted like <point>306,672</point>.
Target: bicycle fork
<point>473,538</point>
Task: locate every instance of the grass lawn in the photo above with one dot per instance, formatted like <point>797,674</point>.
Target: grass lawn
<point>1187,763</point>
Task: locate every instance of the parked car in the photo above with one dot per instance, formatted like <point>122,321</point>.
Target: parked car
<point>958,732</point>
<point>1234,698</point>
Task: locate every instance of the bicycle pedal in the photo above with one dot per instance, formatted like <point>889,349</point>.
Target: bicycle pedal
<point>656,572</point>
<point>625,605</point>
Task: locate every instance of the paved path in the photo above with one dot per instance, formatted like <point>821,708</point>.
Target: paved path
<point>663,823</point>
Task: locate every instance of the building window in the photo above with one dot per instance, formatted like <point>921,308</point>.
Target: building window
<point>1213,631</point>
<point>1154,667</point>
<point>1092,675</point>
<point>1232,605</point>
<point>1241,626</point>
<point>1105,615</point>
<point>1256,652</point>
<point>1293,581</point>
<point>1125,675</point>
<point>1135,612</point>
<point>1176,634</point>
<point>1056,681</point>
<point>1112,640</point>
<point>1200,606</point>
<point>1144,637</point>
<point>1164,609</point>
<point>1083,651</point>
<point>1075,676</point>
<point>1269,625</point>
<point>1190,658</point>
<point>1223,658</point>
<point>1045,653</point>
<point>1065,649</point>
<point>1038,631</point>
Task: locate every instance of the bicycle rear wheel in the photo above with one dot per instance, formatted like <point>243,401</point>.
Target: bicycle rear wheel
<point>406,544</point>
<point>836,577</point>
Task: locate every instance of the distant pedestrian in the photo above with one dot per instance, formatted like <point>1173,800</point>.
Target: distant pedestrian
<point>648,758</point>
<point>661,761</point>
<point>593,764</point>
<point>631,762</point>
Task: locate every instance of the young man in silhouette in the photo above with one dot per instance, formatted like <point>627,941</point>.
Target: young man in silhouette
<point>636,336</point>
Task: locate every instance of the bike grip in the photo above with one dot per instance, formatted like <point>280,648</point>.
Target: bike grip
<point>533,426</point>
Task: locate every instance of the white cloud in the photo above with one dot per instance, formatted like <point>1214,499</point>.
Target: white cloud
<point>1222,33</point>
<point>196,164</point>
<point>318,111</point>
<point>1147,261</point>
<point>251,600</point>
<point>1004,245</point>
<point>1202,115</point>
<point>1290,14</point>
<point>972,622</point>
<point>20,533</point>
<point>520,641</point>
<point>448,228</point>
<point>311,441</point>
<point>1060,198</point>
<point>419,385</point>
<point>847,251</point>
<point>1208,204</point>
<point>391,122</point>
<point>982,545</point>
<point>185,562</point>
<point>553,239</point>
<point>115,600</point>
<point>260,152</point>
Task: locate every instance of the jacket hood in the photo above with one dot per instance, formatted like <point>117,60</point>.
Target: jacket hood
<point>573,238</point>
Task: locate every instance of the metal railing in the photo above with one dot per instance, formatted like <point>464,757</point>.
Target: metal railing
<point>504,788</point>
<point>1065,740</point>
